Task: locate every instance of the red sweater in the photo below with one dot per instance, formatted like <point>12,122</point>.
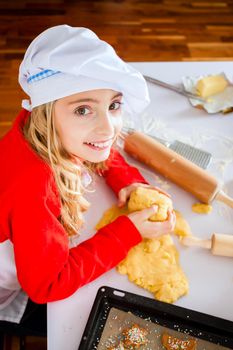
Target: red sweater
<point>47,269</point>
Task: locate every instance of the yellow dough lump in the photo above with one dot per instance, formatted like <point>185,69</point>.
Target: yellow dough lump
<point>153,264</point>
<point>202,208</point>
<point>110,215</point>
<point>182,228</point>
<point>211,85</point>
<point>142,198</point>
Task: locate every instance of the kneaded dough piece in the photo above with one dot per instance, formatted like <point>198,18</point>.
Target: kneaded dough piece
<point>142,198</point>
<point>182,228</point>
<point>201,208</point>
<point>153,264</point>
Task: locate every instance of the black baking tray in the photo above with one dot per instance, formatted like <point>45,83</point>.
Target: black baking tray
<point>211,328</point>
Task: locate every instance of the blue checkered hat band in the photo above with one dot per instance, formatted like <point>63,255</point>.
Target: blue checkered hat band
<point>42,75</point>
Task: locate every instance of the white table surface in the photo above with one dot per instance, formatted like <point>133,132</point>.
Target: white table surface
<point>210,277</point>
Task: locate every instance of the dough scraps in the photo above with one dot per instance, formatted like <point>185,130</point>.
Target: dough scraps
<point>202,208</point>
<point>182,228</point>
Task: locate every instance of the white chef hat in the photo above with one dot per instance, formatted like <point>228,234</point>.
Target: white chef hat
<point>65,60</point>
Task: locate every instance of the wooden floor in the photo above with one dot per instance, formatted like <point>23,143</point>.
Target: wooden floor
<point>152,30</point>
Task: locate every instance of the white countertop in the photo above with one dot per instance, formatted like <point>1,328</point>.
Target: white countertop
<point>211,277</point>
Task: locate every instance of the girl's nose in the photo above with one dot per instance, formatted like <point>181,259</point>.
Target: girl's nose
<point>105,125</point>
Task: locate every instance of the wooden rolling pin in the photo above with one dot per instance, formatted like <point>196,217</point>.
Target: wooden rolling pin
<point>174,167</point>
<point>219,244</point>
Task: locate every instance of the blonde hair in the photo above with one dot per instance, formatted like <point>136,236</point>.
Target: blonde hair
<point>39,130</point>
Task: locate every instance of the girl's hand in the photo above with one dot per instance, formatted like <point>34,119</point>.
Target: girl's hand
<point>152,229</point>
<point>125,192</point>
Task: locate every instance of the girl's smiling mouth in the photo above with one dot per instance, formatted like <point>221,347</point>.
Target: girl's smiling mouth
<point>100,145</point>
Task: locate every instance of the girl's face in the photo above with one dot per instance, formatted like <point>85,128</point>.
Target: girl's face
<point>88,123</point>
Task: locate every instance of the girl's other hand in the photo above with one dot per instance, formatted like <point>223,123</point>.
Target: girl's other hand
<point>152,229</point>
<point>125,192</point>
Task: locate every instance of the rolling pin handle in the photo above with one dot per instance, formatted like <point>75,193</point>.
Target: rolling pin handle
<point>222,244</point>
<point>223,197</point>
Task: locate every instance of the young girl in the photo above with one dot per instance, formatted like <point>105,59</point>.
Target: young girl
<point>78,88</point>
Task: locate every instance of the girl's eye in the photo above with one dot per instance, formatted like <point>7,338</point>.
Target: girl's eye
<point>115,105</point>
<point>82,111</point>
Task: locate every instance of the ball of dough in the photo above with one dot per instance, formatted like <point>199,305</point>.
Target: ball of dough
<point>143,197</point>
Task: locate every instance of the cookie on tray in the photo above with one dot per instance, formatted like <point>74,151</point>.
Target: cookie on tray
<point>120,346</point>
<point>170,343</point>
<point>134,337</point>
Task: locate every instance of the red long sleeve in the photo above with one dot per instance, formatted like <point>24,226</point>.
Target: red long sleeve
<point>47,269</point>
<point>30,206</point>
<point>120,174</point>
